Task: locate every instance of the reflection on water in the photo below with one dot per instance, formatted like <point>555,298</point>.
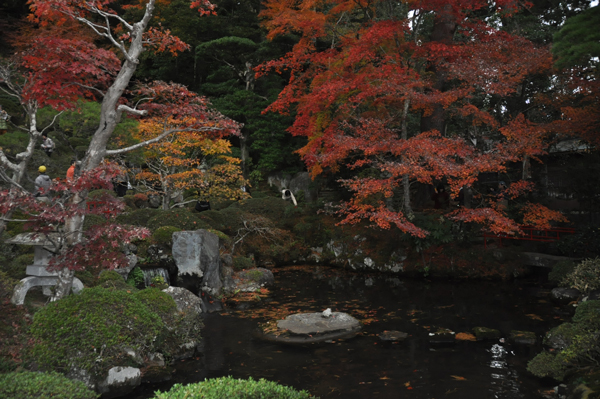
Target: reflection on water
<point>365,367</point>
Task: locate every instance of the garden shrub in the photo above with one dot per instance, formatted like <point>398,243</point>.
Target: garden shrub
<point>587,315</point>
<point>93,331</point>
<point>138,217</point>
<point>97,194</point>
<point>140,200</point>
<point>216,219</point>
<point>181,218</point>
<point>16,268</point>
<point>135,278</point>
<point>271,207</point>
<point>230,219</point>
<point>93,220</point>
<point>164,235</point>
<point>560,270</point>
<point>230,388</point>
<point>109,275</point>
<point>7,285</point>
<point>130,201</point>
<point>28,385</point>
<point>581,345</point>
<point>585,277</point>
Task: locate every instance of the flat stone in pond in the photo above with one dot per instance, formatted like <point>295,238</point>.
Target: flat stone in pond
<point>310,328</point>
<point>483,333</point>
<point>316,323</point>
<point>523,337</point>
<point>393,336</point>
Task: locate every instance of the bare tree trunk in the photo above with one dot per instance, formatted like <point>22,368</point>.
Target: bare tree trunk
<point>405,179</point>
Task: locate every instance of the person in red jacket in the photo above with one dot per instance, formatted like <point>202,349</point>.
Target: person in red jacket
<point>71,171</point>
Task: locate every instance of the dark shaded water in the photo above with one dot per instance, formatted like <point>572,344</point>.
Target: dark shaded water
<point>365,367</point>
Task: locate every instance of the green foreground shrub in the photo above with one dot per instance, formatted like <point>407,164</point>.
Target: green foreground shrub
<point>579,341</point>
<point>230,388</point>
<point>93,331</point>
<point>585,277</point>
<point>164,235</point>
<point>29,385</point>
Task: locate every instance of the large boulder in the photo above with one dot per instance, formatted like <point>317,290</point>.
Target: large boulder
<point>119,382</point>
<point>185,300</point>
<point>196,255</point>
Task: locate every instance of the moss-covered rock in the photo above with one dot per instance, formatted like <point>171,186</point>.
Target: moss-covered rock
<point>94,331</point>
<point>585,277</point>
<point>231,388</point>
<point>28,385</point>
<point>164,235</point>
<point>109,275</point>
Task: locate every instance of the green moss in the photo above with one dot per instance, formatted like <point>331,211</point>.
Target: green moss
<point>28,385</point>
<point>181,218</point>
<point>164,235</point>
<point>74,331</point>
<point>546,364</point>
<point>159,302</point>
<point>230,388</point>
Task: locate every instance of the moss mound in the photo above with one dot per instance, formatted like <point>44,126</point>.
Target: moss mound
<point>93,331</point>
<point>230,388</point>
<point>27,385</point>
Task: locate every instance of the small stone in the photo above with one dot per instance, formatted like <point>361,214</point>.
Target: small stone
<point>523,337</point>
<point>483,333</point>
<point>393,336</point>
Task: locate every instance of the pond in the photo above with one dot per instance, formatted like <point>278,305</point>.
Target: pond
<point>366,367</point>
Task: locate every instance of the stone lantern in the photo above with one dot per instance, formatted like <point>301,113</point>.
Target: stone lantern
<point>37,275</point>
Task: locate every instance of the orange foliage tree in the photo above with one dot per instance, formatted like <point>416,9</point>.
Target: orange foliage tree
<point>198,157</point>
<point>395,93</point>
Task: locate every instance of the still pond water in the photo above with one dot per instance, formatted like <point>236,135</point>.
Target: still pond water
<point>366,367</point>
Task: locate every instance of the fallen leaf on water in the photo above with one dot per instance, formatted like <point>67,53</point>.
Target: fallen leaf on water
<point>384,378</point>
<point>465,337</point>
<point>407,384</point>
<point>534,317</point>
<point>458,378</point>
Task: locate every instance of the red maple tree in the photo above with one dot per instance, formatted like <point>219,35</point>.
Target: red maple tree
<point>395,103</point>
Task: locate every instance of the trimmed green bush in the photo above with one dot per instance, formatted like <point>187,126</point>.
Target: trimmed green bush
<point>164,235</point>
<point>29,385</point>
<point>86,277</point>
<point>181,218</point>
<point>109,275</point>
<point>93,331</point>
<point>93,220</point>
<point>158,301</point>
<point>138,217</point>
<point>230,388</point>
<point>585,277</point>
